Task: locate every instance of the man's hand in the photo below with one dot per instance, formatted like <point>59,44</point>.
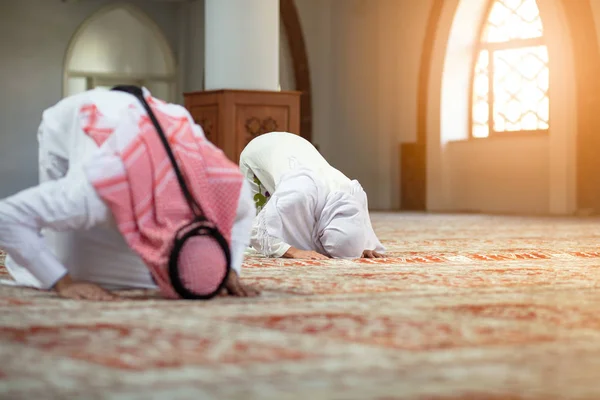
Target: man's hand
<point>234,287</point>
<point>304,254</point>
<point>372,254</point>
<point>68,289</point>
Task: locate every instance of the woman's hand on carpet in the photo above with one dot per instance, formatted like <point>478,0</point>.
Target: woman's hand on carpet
<point>234,287</point>
<point>372,254</point>
<point>304,254</point>
<point>68,289</point>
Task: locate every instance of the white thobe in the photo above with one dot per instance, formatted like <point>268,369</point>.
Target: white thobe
<point>63,226</point>
<point>312,205</point>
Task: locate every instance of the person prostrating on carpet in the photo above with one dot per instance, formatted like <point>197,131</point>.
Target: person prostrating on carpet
<point>308,209</point>
<point>132,195</point>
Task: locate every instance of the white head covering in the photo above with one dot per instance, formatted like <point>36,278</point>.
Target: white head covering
<point>271,156</point>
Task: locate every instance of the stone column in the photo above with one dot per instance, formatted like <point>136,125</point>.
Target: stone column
<point>242,44</point>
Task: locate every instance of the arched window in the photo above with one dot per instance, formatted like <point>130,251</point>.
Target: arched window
<point>120,45</point>
<point>511,75</point>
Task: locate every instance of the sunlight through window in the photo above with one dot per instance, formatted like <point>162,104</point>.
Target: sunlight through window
<point>511,75</point>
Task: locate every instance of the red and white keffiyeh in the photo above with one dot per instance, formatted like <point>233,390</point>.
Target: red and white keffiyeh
<point>134,177</point>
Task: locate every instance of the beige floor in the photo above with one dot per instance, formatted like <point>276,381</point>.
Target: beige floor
<point>470,307</point>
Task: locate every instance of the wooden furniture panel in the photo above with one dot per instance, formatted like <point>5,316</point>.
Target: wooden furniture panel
<point>231,118</point>
<point>208,118</point>
<point>252,121</point>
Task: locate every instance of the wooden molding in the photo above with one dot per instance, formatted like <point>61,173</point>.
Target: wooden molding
<point>425,71</point>
<point>293,29</point>
<point>413,162</point>
<point>232,118</point>
<point>587,63</point>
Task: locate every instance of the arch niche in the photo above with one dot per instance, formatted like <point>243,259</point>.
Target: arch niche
<point>444,118</point>
<point>120,44</point>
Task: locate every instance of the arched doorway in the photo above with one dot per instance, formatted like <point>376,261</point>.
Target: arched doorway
<point>120,45</point>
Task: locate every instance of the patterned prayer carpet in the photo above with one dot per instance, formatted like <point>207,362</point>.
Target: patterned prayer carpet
<point>466,307</point>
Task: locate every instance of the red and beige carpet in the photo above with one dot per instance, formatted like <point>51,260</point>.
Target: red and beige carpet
<point>465,307</point>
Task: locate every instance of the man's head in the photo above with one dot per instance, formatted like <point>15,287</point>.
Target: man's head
<point>201,268</point>
<point>342,228</point>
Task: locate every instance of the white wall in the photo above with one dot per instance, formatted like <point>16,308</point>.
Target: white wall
<point>499,175</point>
<point>34,36</point>
<point>117,42</point>
<point>525,175</point>
<point>191,41</point>
<point>287,79</point>
<point>401,37</point>
<point>595,4</point>
<point>365,58</point>
<point>315,19</point>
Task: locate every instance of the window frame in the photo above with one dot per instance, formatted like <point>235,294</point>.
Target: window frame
<point>491,48</point>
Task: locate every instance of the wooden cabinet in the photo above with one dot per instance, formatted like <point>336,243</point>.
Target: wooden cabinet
<point>232,118</point>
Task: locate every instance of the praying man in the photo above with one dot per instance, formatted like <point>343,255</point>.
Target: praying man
<point>308,209</point>
<point>109,206</point>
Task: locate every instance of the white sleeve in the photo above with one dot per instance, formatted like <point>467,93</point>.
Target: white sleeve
<point>373,242</point>
<point>67,203</point>
<point>240,233</point>
<point>286,217</point>
<point>262,240</point>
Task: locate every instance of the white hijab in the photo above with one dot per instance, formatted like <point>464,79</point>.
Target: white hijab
<point>272,155</point>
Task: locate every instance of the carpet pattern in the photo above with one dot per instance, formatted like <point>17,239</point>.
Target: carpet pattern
<point>465,307</point>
